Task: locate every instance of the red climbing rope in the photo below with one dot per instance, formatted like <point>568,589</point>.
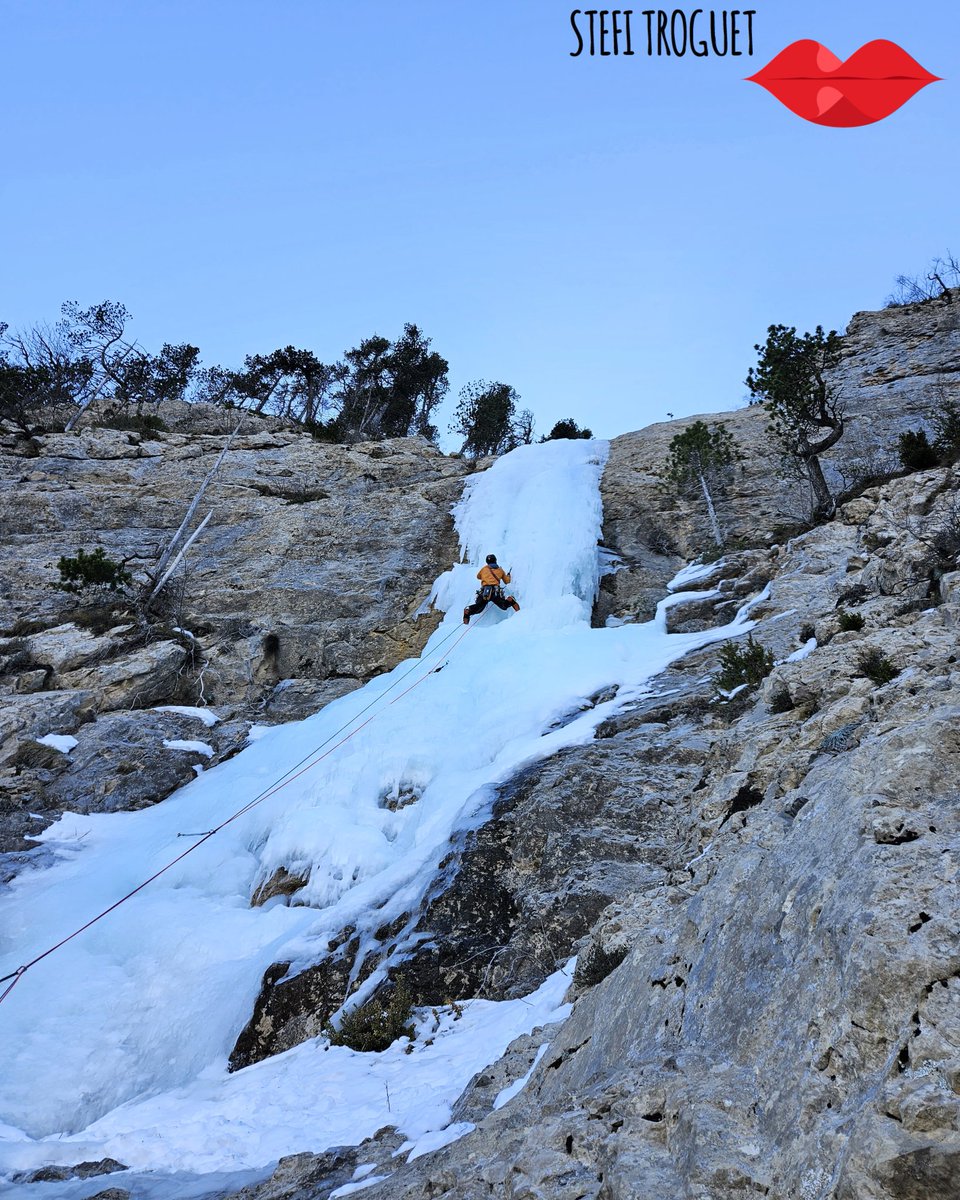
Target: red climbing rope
<point>15,976</point>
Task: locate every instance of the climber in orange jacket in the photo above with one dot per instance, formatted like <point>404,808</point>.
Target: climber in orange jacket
<point>492,578</point>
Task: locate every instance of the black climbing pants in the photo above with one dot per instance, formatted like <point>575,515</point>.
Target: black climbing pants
<point>477,607</point>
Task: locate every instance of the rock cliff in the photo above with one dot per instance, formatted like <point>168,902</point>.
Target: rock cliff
<point>896,366</point>
<point>769,1002</point>
<point>310,578</point>
<point>763,889</point>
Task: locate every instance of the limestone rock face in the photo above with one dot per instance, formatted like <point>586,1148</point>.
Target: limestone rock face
<point>314,565</point>
<point>311,576</point>
<point>145,676</point>
<point>897,367</point>
<point>769,1002</point>
<point>36,715</point>
<point>763,889</point>
<point>292,1010</point>
<point>566,839</point>
<point>121,761</point>
<point>653,533</point>
<point>563,841</point>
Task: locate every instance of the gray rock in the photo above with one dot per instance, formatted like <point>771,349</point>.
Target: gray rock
<point>83,1170</point>
<point>312,574</point>
<point>149,675</point>
<point>786,1018</point>
<point>896,366</point>
<point>291,1009</point>
<point>121,763</point>
<point>771,1005</point>
<point>294,699</point>
<point>36,714</point>
<point>67,647</point>
<point>299,1176</point>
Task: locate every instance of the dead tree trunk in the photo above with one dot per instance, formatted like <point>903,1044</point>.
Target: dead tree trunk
<point>160,574</point>
<point>711,510</point>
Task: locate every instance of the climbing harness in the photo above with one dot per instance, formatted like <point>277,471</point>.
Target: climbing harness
<point>289,776</point>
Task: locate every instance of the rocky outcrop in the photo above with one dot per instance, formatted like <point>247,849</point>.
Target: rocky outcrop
<point>559,847</point>
<point>311,577</point>
<point>511,898</point>
<point>84,1170</point>
<point>762,886</point>
<point>770,1002</point>
<point>897,367</point>
<point>120,761</point>
<point>314,566</point>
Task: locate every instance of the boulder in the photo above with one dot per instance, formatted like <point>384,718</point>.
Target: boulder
<point>149,675</point>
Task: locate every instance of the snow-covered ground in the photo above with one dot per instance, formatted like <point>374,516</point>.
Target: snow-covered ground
<point>117,1043</point>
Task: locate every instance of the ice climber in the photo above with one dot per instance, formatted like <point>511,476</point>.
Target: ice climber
<point>492,578</point>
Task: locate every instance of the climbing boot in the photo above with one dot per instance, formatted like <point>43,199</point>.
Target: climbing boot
<point>516,606</point>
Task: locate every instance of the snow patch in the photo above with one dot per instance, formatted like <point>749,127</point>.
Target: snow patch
<point>58,741</point>
<point>806,649</point>
<point>194,747</point>
<point>752,603</point>
<point>313,1096</point>
<point>693,573</point>
<point>679,598</point>
<point>348,1189</point>
<point>515,1088</point>
<point>441,1138</point>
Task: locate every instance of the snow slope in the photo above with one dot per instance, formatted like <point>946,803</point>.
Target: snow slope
<point>121,1037</point>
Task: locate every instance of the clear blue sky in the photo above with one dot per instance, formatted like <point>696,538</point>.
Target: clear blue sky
<point>610,236</point>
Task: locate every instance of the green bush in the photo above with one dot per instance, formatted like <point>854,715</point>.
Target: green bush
<point>376,1025</point>
<point>486,416</point>
<point>850,622</point>
<point>91,570</point>
<point>916,453</point>
<point>567,428</point>
<point>748,664</point>
<point>946,422</point>
<point>874,665</point>
<point>807,633</point>
<point>145,423</point>
<point>326,431</point>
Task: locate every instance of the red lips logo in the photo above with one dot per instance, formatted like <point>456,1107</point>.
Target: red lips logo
<point>873,83</point>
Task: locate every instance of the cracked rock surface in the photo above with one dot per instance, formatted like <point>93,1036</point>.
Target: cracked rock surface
<point>763,890</point>
<point>310,578</point>
<point>768,995</point>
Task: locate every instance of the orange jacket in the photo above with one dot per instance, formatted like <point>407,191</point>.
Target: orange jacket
<point>492,575</point>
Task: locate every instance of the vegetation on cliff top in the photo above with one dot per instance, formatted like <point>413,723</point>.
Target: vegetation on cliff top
<point>86,362</point>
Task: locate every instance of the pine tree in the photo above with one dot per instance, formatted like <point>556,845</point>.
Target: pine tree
<point>700,461</point>
<point>485,417</point>
<point>791,381</point>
